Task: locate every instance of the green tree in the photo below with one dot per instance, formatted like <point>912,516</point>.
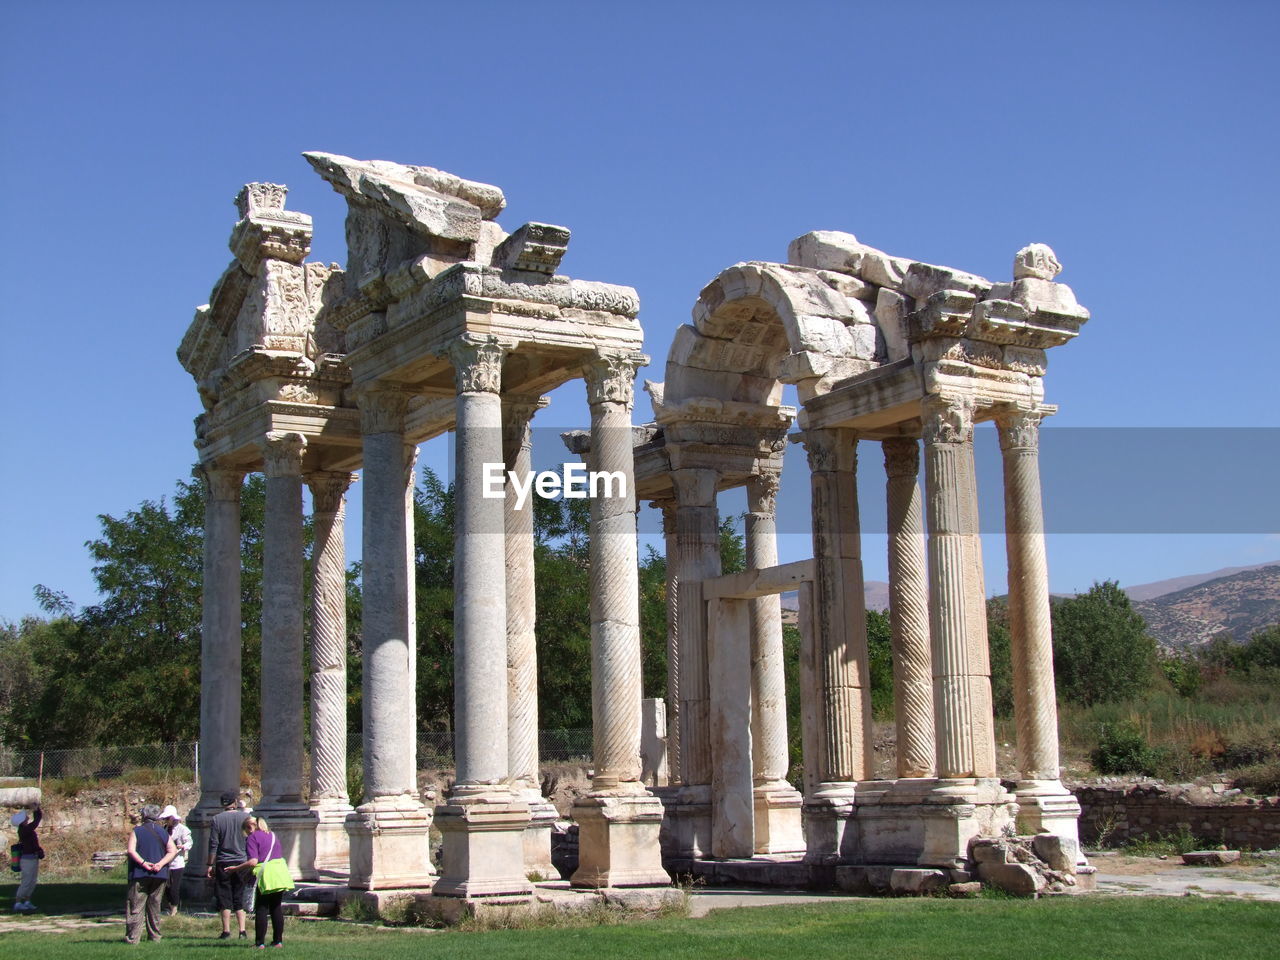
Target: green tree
<point>1101,649</point>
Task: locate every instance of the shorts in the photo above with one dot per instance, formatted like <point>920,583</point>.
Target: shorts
<point>229,887</point>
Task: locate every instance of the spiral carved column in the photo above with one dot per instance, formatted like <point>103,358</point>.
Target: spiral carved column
<point>668,508</point>
<point>619,820</point>
<point>909,610</point>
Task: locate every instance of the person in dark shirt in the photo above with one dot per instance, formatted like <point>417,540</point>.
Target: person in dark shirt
<point>30,857</point>
<point>150,851</point>
<point>226,853</point>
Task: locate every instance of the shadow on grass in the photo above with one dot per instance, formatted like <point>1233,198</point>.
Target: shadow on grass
<point>56,898</point>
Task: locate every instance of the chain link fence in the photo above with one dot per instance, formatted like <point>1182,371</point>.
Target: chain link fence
<point>180,761</point>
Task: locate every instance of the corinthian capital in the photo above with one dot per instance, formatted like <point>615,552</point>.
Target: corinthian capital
<point>947,419</point>
<point>517,423</point>
<point>477,363</point>
<point>762,492</point>
<point>282,454</point>
<point>328,488</point>
<point>611,377</point>
<point>220,483</point>
<point>901,457</point>
<point>382,408</point>
<point>1019,429</point>
<point>831,449</point>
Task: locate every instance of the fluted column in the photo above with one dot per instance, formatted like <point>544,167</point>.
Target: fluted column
<point>385,587</point>
<point>696,558</point>
<point>840,623</point>
<point>909,610</point>
<point>958,624</point>
<point>522,648</point>
<point>329,637</point>
<point>480,602</point>
<point>668,508</point>
<point>282,631</point>
<point>616,688</point>
<point>618,821</point>
<point>220,637</point>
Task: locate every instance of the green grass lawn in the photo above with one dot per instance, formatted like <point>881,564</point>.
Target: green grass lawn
<point>905,929</point>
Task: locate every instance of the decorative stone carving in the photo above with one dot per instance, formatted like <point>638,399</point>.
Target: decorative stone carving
<point>382,409</point>
<point>611,378</point>
<point>1019,429</point>
<point>948,419</point>
<point>536,247</point>
<point>762,491</point>
<point>282,454</point>
<point>1036,260</point>
<point>477,364</point>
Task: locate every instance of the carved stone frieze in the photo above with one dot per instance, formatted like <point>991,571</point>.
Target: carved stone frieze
<point>266,231</point>
<point>282,454</point>
<point>830,450</point>
<point>536,247</point>
<point>472,280</point>
<point>477,363</point>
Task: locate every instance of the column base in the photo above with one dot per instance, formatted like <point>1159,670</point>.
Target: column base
<point>483,853</point>
<point>390,844</point>
<point>779,824</point>
<point>830,833</point>
<point>294,825</point>
<point>537,836</point>
<point>956,811</point>
<point>1046,806</point>
<point>618,842</point>
<point>195,885</point>
<point>333,846</point>
<point>687,827</point>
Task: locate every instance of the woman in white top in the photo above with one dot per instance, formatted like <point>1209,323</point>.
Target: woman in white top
<point>180,834</point>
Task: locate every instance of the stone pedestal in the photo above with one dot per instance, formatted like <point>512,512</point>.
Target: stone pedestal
<point>484,844</point>
<point>956,811</point>
<point>537,836</point>
<point>390,845</point>
<point>829,830</point>
<point>618,842</point>
<point>689,821</point>
<point>295,826</point>
<point>779,826</point>
<point>1046,806</point>
<point>332,845</point>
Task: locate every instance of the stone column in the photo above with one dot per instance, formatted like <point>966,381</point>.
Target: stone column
<point>482,822</point>
<point>619,820</point>
<point>282,641</point>
<point>219,656</point>
<point>330,804</point>
<point>967,799</point>
<point>696,557</point>
<point>522,647</point>
<point>388,831</point>
<point>777,804</point>
<point>909,610</point>
<point>668,508</point>
<point>840,645</point>
<point>1043,803</point>
<point>411,610</point>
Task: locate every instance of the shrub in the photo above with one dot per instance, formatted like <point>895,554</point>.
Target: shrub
<point>1123,749</point>
<point>1261,778</point>
<point>1250,752</point>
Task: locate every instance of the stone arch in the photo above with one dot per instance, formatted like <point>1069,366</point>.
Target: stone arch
<point>758,325</point>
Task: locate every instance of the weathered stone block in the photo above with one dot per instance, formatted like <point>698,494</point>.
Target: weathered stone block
<point>917,881</point>
<point>1210,858</point>
<point>1060,853</point>
<point>1015,878</point>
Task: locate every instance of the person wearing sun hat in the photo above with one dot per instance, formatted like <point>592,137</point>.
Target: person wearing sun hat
<point>29,858</point>
<point>180,834</point>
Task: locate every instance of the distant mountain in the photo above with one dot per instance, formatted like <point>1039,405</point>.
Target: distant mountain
<point>1158,588</point>
<point>876,592</point>
<point>1241,603</point>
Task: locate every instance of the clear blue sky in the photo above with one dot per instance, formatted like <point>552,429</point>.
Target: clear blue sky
<point>1139,140</point>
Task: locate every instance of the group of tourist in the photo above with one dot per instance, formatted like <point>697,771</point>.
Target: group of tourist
<point>246,864</point>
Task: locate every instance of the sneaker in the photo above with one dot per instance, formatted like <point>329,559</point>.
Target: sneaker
<point>244,934</point>
<point>224,935</point>
<point>277,944</point>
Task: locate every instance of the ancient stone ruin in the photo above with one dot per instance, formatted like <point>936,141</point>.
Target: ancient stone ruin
<point>441,321</point>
